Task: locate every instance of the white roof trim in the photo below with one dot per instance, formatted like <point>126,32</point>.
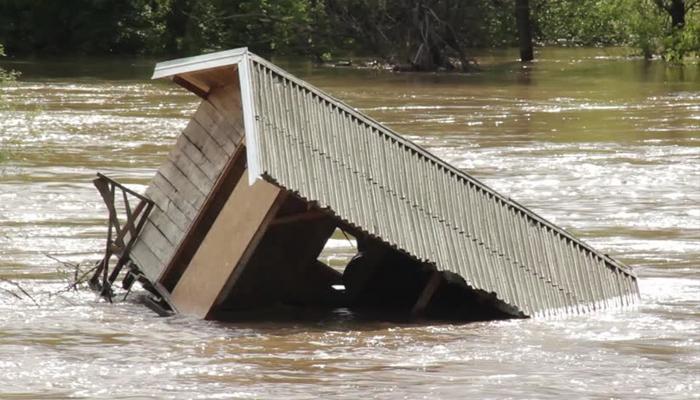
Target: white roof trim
<point>197,63</point>
<point>249,123</point>
<point>238,57</point>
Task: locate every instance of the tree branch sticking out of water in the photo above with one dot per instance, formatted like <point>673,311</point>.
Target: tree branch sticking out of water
<point>20,288</point>
<point>80,276</point>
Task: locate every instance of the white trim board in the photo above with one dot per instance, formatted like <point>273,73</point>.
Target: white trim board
<point>197,63</point>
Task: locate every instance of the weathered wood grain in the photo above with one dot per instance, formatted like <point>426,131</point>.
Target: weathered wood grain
<point>201,139</point>
<point>171,231</point>
<point>157,242</point>
<point>185,146</point>
<point>203,81</point>
<point>148,262</point>
<point>228,103</point>
<point>175,196</point>
<point>193,85</point>
<point>205,218</point>
<point>222,76</point>
<point>191,171</point>
<point>217,126</point>
<point>185,181</point>
<point>182,184</point>
<point>167,207</point>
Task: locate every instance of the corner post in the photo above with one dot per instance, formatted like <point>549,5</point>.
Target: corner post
<point>249,123</point>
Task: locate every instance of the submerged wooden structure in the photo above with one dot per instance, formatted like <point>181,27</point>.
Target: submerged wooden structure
<point>269,166</point>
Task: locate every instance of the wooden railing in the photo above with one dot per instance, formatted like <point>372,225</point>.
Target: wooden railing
<point>125,223</point>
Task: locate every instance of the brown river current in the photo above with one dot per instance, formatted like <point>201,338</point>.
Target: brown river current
<point>604,145</point>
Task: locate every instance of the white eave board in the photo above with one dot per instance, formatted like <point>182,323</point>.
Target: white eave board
<point>198,63</point>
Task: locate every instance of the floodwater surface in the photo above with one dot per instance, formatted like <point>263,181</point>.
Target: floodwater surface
<point>604,145</point>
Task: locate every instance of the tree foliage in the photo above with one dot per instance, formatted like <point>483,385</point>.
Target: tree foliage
<point>422,31</point>
<point>581,22</point>
<point>5,75</point>
<point>667,28</point>
<point>425,33</point>
<point>82,26</point>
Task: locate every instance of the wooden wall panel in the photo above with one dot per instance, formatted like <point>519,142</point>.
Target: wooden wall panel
<point>235,231</point>
<point>197,157</point>
<point>184,182</point>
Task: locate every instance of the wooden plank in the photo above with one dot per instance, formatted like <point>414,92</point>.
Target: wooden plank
<point>206,144</point>
<point>207,116</point>
<point>233,235</point>
<point>205,218</point>
<point>171,231</point>
<point>175,196</point>
<point>191,171</point>
<point>195,154</point>
<point>182,184</point>
<point>192,84</point>
<point>228,102</point>
<point>232,134</point>
<point>166,206</point>
<point>149,264</point>
<point>284,268</point>
<point>210,78</point>
<point>300,217</point>
<point>220,77</point>
<point>157,242</point>
<point>216,125</point>
<point>427,294</point>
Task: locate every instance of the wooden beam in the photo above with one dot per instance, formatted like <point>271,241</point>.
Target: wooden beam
<point>427,293</point>
<point>220,77</point>
<point>304,216</point>
<point>198,89</point>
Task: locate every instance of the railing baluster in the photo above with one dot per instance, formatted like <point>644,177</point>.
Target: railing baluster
<point>116,232</point>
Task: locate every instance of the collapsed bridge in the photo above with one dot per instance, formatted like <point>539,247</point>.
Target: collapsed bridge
<point>269,167</point>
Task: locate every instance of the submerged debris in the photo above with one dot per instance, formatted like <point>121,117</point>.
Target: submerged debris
<point>18,287</point>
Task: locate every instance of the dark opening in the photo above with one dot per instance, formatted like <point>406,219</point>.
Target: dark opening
<point>382,281</point>
<point>286,279</point>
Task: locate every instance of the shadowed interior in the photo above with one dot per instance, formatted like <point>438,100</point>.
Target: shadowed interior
<point>283,279</point>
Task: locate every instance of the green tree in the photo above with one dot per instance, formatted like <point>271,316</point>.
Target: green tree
<point>582,22</point>
<point>424,34</point>
<point>676,9</point>
<point>82,26</point>
<point>420,34</point>
<point>522,17</point>
<point>5,75</point>
<point>266,26</point>
<point>669,28</point>
<point>682,30</point>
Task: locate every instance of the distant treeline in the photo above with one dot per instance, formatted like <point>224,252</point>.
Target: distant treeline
<point>390,29</point>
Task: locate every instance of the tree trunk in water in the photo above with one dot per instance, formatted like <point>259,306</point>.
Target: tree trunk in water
<point>677,11</point>
<point>176,25</point>
<point>522,18</point>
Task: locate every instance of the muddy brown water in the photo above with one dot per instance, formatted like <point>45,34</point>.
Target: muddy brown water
<point>602,144</point>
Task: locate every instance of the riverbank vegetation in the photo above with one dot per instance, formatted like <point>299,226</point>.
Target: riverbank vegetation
<point>5,75</point>
<point>424,34</point>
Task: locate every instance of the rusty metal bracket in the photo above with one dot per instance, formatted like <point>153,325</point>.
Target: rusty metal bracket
<point>120,236</point>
